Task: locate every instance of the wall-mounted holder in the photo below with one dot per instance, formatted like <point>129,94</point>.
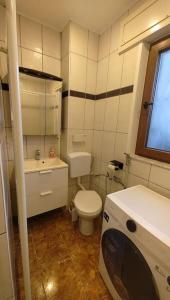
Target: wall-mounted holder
<point>112,167</point>
<point>117,164</point>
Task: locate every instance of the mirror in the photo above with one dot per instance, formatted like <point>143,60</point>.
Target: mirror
<point>41,105</point>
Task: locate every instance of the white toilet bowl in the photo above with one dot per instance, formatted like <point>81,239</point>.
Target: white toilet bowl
<point>88,205</point>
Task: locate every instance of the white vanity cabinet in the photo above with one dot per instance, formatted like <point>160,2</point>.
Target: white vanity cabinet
<point>46,188</point>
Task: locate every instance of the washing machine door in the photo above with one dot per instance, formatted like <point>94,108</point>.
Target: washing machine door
<point>127,268</point>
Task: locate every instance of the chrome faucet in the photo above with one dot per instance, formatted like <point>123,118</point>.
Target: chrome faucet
<point>37,154</point>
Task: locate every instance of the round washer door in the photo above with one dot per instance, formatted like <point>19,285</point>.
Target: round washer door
<point>127,268</point>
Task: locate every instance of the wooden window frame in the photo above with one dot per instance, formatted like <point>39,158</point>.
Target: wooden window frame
<point>141,149</point>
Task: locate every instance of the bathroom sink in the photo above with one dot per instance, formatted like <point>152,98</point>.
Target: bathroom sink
<point>32,165</point>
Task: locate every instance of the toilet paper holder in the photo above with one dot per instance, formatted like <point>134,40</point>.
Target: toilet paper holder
<point>113,166</point>
<point>117,164</point>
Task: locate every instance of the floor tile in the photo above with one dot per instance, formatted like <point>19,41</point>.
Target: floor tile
<point>63,262</point>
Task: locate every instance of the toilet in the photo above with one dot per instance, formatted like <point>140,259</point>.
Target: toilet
<point>88,204</point>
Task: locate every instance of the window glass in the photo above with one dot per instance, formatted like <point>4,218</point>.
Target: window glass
<point>159,129</point>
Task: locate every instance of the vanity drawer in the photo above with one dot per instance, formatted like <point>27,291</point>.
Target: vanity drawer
<point>45,180</point>
<point>46,200</point>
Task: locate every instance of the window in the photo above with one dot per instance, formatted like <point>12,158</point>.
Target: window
<point>153,139</point>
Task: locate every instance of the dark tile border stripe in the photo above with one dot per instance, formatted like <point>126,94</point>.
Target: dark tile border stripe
<point>65,94</point>
<point>39,74</point>
<point>126,90</point>
<point>77,94</point>
<point>113,93</point>
<point>90,96</point>
<point>101,96</point>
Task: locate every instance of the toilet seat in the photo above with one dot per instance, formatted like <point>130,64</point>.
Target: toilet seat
<point>88,203</point>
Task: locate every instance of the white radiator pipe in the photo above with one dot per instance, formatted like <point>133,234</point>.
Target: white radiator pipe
<point>18,140</point>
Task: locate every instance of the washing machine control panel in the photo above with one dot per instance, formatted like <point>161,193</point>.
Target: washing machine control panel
<point>163,274</point>
<point>106,216</point>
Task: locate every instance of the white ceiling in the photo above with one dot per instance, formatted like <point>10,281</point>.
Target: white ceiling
<point>95,15</point>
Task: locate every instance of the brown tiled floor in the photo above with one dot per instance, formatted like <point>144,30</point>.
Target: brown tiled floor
<point>63,263</point>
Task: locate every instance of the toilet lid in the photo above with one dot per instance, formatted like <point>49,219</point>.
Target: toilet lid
<point>88,203</point>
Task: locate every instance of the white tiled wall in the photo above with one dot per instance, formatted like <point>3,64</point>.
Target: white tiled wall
<point>114,71</point>
<point>89,64</point>
<point>40,46</point>
<point>31,59</point>
<point>155,177</point>
<point>51,41</point>
<point>78,39</point>
<point>79,120</point>
<point>104,44</point>
<point>91,74</point>
<point>104,122</point>
<point>93,43</point>
<point>112,116</point>
<point>111,121</point>
<point>31,35</point>
<point>125,103</point>
<point>102,75</point>
<point>114,113</point>
<point>89,114</point>
<point>111,112</point>
<point>79,70</point>
<point>99,114</point>
<point>129,67</point>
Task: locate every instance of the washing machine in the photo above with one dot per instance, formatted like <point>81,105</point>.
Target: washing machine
<point>135,245</point>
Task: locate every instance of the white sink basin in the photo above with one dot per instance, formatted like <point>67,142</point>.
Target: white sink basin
<point>32,165</point>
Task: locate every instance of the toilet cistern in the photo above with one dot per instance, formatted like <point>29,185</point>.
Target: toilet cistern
<point>88,204</point>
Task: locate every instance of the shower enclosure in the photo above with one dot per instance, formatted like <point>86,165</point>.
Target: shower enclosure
<point>7,271</point>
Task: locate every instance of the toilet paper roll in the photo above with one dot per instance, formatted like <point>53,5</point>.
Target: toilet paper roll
<point>111,170</point>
